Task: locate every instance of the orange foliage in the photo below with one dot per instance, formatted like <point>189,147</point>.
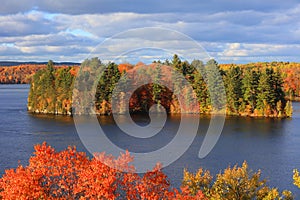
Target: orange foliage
<point>124,67</point>
<point>71,175</point>
<point>18,74</point>
<point>292,80</point>
<point>22,74</point>
<point>74,71</point>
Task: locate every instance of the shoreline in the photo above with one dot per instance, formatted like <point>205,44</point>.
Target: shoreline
<point>252,116</point>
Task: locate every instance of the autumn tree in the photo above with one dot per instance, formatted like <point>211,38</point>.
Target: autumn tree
<point>71,175</point>
<point>233,183</point>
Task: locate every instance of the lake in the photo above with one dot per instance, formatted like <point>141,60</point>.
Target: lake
<point>272,145</point>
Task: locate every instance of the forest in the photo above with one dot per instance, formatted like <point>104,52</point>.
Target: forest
<point>290,73</point>
<point>261,89</point>
<point>22,73</point>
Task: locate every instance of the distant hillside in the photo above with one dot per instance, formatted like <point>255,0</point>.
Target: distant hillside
<point>21,72</point>
<point>15,63</point>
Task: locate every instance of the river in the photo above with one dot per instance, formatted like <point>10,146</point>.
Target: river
<point>272,145</point>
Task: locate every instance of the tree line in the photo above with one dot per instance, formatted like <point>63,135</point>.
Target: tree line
<point>18,74</point>
<point>23,73</point>
<point>250,90</point>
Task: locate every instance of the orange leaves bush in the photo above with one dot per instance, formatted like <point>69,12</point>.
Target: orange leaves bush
<point>72,175</point>
<point>49,175</point>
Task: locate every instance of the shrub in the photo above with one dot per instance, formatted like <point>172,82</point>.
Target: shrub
<point>234,183</point>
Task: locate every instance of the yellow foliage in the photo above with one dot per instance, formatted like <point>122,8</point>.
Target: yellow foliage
<point>233,184</point>
<point>296,178</point>
<point>201,180</point>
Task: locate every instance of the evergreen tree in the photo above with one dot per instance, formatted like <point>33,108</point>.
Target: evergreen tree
<point>106,84</point>
<point>200,87</point>
<point>49,87</point>
<point>156,88</point>
<point>233,83</point>
<point>176,63</point>
<point>266,98</point>
<point>263,90</point>
<point>270,92</point>
<point>177,75</point>
<point>63,89</point>
<point>215,85</point>
<point>249,89</point>
<point>278,86</point>
<point>124,85</point>
<point>273,84</point>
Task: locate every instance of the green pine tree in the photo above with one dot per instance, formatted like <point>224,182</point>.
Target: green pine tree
<point>249,89</point>
<point>233,83</point>
<point>215,85</point>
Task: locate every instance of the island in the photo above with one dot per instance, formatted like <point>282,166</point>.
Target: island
<point>256,90</point>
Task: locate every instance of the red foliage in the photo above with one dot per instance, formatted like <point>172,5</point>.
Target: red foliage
<point>71,175</point>
<point>185,195</point>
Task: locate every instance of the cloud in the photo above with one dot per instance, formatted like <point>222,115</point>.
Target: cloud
<point>15,6</point>
<point>237,52</point>
<point>233,50</point>
<point>57,39</point>
<point>24,24</point>
<point>229,29</point>
<point>9,50</point>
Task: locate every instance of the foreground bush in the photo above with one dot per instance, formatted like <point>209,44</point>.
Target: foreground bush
<point>296,178</point>
<point>233,183</point>
<point>72,175</point>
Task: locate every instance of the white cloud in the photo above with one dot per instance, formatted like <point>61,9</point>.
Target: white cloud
<point>234,50</point>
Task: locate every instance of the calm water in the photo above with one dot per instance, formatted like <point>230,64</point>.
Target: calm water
<point>271,145</point>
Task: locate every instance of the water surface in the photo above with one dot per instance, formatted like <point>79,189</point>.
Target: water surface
<point>271,145</point>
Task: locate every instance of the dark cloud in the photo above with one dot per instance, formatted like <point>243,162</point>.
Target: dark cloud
<point>145,6</point>
<point>158,6</point>
<point>16,6</point>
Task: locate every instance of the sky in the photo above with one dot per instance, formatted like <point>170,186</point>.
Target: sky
<point>230,31</point>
